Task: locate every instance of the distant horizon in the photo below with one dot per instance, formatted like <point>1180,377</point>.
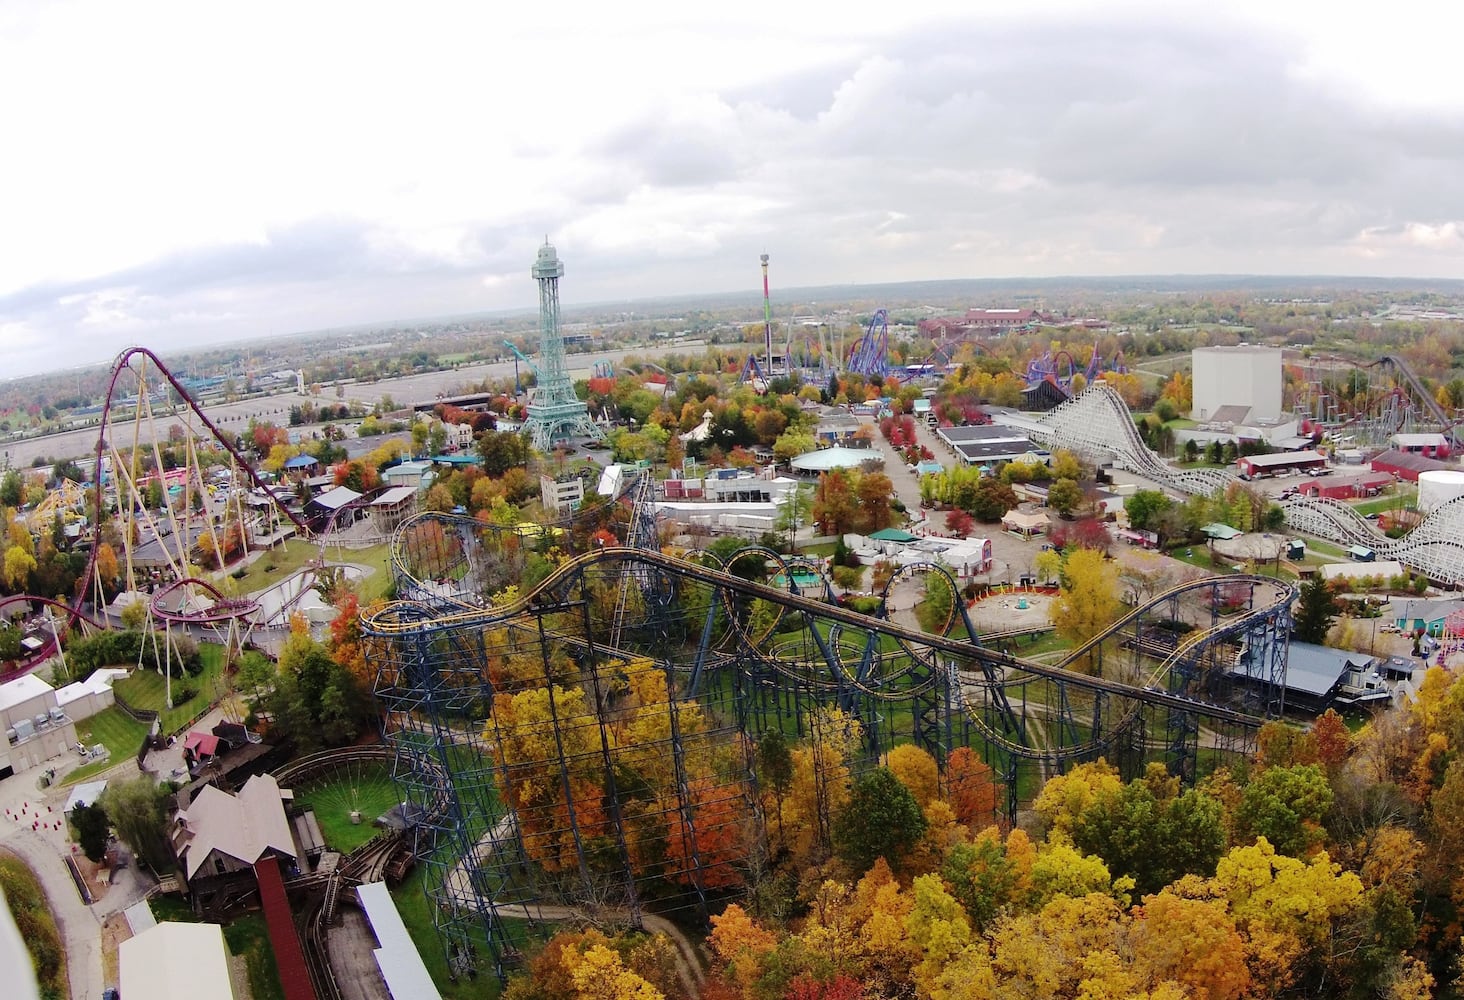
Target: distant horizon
<point>1203,283</point>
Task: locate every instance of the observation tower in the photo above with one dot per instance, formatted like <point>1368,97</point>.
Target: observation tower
<point>556,414</point>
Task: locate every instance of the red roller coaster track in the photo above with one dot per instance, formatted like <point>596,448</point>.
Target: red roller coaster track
<point>223,608</point>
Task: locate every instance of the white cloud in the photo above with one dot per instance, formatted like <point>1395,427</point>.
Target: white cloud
<point>180,171</point>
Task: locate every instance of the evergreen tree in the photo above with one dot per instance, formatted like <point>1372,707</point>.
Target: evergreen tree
<point>92,828</point>
<point>1316,609</point>
<point>882,820</point>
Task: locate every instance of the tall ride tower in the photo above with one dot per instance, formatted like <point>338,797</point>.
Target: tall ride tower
<point>767,323</point>
<point>556,414</point>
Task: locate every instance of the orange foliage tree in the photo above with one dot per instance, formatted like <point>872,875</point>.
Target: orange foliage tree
<point>971,788</point>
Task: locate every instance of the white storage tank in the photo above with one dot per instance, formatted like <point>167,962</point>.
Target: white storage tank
<point>1437,487</point>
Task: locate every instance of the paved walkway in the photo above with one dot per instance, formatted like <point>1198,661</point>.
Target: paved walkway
<point>45,850</point>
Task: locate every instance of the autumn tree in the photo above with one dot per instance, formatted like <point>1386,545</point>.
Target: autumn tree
<point>916,770</point>
<point>971,788</point>
<point>959,523</point>
<point>875,491</point>
<point>1088,600</point>
<point>1333,741</point>
<point>835,503</point>
<point>1194,942</point>
<point>19,565</point>
<point>991,500</point>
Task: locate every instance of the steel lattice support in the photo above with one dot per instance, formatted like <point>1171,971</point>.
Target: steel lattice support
<point>556,414</point>
<point>593,764</point>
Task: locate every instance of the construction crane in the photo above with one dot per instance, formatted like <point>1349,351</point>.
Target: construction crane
<point>518,386</point>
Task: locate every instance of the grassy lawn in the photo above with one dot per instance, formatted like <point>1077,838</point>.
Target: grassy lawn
<point>146,689</point>
<point>114,729</point>
<point>282,562</point>
<point>1325,548</point>
<point>247,935</point>
<point>274,565</point>
<point>1402,501</point>
<point>367,789</point>
<point>411,903</point>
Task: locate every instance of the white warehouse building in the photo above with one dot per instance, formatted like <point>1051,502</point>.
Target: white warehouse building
<point>1246,376</point>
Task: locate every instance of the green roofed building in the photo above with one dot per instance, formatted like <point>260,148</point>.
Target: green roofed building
<point>892,535</point>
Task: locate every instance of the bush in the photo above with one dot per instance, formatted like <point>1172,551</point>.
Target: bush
<point>128,648</point>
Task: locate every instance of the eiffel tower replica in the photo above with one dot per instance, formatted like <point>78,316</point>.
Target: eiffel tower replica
<point>556,414</point>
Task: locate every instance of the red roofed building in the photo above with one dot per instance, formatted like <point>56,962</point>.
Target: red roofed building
<point>1406,465</point>
<point>199,749</point>
<point>1350,488</point>
<point>980,321</point>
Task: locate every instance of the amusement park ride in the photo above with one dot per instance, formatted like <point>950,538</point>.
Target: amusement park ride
<point>1363,406</point>
<point>742,645</point>
<point>155,443</point>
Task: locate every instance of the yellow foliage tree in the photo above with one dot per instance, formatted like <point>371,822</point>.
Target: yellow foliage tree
<point>1064,797</point>
<point>600,975</point>
<point>916,770</point>
<point>1285,894</point>
<point>1088,598</point>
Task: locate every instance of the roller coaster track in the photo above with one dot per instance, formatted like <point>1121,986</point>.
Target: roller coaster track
<point>122,369</point>
<point>425,619</point>
<point>1097,423</point>
<point>1191,645</point>
<point>367,863</point>
<point>898,681</point>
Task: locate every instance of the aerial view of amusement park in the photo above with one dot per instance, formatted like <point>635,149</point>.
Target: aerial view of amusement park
<point>861,630</point>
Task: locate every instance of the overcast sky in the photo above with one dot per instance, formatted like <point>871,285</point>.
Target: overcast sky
<point>180,174</point>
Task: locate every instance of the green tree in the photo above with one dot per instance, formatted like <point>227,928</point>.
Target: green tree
<point>848,577</point>
<point>937,603</point>
<point>92,829</point>
<point>138,811</point>
<point>794,511</point>
<point>1145,507</point>
<point>1285,805</point>
<point>981,877</point>
<point>12,489</point>
<point>1316,610</point>
<point>1152,839</point>
<point>775,770</point>
<point>501,451</point>
<point>1064,496</point>
<point>436,438</point>
<point>882,820</point>
<point>792,443</point>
